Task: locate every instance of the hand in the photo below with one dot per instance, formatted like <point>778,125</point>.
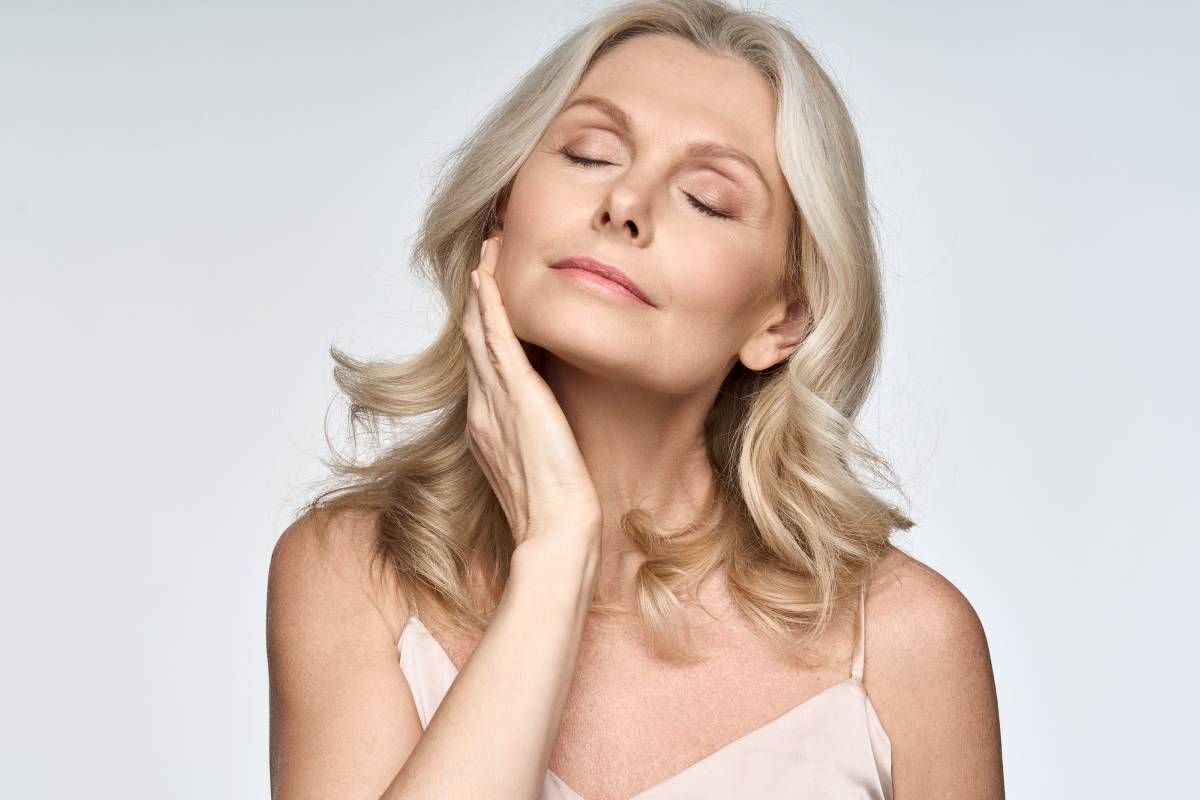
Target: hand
<point>516,428</point>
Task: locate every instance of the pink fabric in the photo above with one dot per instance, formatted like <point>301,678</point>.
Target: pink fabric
<point>830,746</point>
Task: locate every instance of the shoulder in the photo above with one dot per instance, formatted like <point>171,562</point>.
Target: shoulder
<point>342,715</point>
<point>329,559</point>
<point>909,602</point>
<point>928,671</point>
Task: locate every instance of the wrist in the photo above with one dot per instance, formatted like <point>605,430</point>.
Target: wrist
<point>557,565</point>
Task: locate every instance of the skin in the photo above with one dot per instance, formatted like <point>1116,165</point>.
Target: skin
<point>635,382</point>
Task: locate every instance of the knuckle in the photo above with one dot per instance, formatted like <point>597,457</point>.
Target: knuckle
<point>476,421</point>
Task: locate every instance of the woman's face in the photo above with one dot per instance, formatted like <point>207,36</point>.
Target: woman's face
<point>709,278</point>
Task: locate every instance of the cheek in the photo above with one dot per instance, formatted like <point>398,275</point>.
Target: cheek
<point>538,200</point>
<point>716,304</point>
<point>721,285</point>
<point>518,273</point>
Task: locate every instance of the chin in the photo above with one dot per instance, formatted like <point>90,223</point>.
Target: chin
<point>590,334</point>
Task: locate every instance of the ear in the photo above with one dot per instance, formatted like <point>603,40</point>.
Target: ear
<point>787,324</point>
<point>496,221</point>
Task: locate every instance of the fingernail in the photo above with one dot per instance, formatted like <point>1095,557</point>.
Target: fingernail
<point>475,278</point>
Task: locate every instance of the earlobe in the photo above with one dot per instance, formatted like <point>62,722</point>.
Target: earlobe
<point>778,341</point>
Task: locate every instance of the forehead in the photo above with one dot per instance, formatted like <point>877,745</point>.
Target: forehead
<point>674,91</point>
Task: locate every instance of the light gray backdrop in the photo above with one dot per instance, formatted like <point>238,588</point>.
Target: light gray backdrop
<point>198,199</point>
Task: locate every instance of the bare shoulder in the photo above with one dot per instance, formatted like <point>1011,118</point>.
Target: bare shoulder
<point>908,593</point>
<point>928,671</point>
<point>335,552</point>
<point>342,716</point>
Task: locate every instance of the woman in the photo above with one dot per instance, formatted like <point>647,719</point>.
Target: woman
<point>629,556</point>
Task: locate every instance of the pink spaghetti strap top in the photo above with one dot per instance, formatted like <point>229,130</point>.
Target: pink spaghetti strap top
<point>832,745</point>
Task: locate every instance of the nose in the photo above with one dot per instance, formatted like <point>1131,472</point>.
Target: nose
<point>626,211</point>
<point>630,223</point>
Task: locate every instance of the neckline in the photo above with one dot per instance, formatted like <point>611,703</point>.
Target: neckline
<point>695,765</point>
<point>707,759</point>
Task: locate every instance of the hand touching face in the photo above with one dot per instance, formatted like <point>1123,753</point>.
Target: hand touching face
<point>516,429</point>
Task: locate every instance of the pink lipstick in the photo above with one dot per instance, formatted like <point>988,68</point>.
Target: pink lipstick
<point>603,274</point>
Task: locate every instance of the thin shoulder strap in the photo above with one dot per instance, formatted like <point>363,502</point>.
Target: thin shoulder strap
<point>856,670</point>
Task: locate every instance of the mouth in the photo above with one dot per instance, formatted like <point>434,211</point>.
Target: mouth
<point>612,276</point>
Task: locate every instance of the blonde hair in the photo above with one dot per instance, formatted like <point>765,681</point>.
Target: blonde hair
<point>796,530</point>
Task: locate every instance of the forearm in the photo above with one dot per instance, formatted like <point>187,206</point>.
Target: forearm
<point>493,732</point>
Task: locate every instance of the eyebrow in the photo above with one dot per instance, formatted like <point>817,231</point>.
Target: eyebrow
<point>703,148</point>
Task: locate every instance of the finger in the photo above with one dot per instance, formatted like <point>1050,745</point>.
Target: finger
<point>473,433</point>
<point>508,357</point>
<point>491,256</point>
<point>473,386</point>
<point>478,403</point>
<point>472,327</point>
<point>474,398</point>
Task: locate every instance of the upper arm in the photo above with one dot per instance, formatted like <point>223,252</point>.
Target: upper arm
<point>342,718</point>
<point>933,686</point>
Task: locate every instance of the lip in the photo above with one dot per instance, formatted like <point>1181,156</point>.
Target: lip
<point>607,271</point>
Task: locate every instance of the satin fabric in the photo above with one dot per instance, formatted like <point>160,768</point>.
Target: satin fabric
<point>832,745</point>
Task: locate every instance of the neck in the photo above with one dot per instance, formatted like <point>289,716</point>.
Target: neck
<point>643,449</point>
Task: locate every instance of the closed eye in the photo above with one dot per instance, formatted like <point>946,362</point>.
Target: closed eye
<point>592,162</point>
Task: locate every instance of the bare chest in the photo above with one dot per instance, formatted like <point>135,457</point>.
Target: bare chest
<point>633,720</point>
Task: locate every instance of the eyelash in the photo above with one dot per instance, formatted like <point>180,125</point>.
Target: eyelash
<point>592,162</point>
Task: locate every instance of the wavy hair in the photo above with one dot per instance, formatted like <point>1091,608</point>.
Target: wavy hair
<point>793,522</point>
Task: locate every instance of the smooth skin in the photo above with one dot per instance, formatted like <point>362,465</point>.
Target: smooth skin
<point>518,433</point>
<point>632,383</point>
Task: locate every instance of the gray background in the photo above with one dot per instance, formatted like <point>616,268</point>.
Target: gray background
<point>198,199</point>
